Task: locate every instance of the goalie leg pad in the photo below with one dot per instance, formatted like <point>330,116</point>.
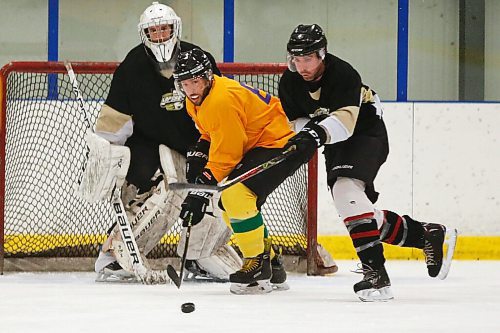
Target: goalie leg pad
<point>206,238</point>
<point>153,213</point>
<point>106,169</point>
<point>118,249</point>
<point>160,211</point>
<point>155,216</point>
<point>150,220</point>
<point>224,262</point>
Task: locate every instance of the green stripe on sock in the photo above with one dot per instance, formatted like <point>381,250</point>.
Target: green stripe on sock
<point>241,226</point>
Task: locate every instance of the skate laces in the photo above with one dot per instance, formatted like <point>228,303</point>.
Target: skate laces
<point>429,250</point>
<point>250,264</point>
<point>368,272</point>
<point>429,253</point>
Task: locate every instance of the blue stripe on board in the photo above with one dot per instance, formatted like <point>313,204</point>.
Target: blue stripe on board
<point>402,70</point>
<point>53,45</point>
<point>228,30</point>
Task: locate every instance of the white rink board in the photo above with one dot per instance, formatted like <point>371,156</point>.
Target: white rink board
<point>457,165</point>
<point>443,166</point>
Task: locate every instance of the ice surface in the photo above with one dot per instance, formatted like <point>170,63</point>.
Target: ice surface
<point>467,301</point>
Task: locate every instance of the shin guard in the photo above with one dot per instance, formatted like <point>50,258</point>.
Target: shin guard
<point>366,239</point>
<point>401,230</point>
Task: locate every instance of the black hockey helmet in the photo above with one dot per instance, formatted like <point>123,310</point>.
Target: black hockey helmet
<point>191,64</point>
<point>306,39</point>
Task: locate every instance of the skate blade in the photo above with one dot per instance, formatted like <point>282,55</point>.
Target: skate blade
<point>203,279</point>
<point>376,295</point>
<point>256,288</point>
<point>280,286</point>
<point>451,241</point>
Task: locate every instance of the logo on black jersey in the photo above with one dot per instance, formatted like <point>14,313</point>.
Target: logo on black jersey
<point>343,166</point>
<point>172,101</point>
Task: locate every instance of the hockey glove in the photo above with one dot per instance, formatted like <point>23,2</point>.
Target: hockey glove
<point>197,158</point>
<point>194,207</point>
<point>311,137</point>
<point>206,177</point>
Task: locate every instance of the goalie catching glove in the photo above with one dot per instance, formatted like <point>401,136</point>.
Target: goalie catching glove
<point>195,205</point>
<point>106,169</point>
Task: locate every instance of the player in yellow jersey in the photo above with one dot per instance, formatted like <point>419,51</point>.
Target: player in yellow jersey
<point>241,127</point>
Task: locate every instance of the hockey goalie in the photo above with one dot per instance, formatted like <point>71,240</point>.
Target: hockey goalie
<point>151,214</point>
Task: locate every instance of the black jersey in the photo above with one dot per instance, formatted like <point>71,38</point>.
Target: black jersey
<point>340,86</point>
<point>157,110</point>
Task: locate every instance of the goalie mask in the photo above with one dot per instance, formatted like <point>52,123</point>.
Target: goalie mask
<point>192,64</point>
<point>160,30</point>
<point>305,39</point>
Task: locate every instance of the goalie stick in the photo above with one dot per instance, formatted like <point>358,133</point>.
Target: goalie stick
<point>245,176</point>
<point>144,274</point>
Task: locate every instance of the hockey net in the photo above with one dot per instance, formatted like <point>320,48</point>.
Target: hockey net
<point>42,151</point>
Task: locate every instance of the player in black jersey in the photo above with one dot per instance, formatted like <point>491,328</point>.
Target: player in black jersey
<point>142,112</point>
<point>329,105</point>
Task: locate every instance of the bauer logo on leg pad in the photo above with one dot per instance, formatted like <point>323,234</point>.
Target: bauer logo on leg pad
<point>126,233</point>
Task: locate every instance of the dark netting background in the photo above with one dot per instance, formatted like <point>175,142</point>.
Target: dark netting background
<point>44,154</point>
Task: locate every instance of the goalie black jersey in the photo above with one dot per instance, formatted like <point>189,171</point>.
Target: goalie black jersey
<point>339,92</point>
<point>141,94</point>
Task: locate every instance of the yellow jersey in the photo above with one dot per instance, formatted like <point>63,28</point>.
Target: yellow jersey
<point>235,118</point>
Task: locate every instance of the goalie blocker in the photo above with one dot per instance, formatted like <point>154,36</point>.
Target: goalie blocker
<point>151,215</point>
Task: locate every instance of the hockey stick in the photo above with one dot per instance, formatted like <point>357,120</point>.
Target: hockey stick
<point>245,176</point>
<point>127,235</point>
<point>172,274</point>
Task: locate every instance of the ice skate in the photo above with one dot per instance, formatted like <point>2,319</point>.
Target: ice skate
<point>278,279</point>
<point>435,237</point>
<point>254,277</point>
<point>375,286</point>
<point>196,274</point>
<point>113,272</point>
<point>108,270</point>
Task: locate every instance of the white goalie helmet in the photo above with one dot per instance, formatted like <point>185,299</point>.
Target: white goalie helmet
<point>160,30</point>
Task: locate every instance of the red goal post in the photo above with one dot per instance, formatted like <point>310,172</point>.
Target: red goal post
<point>41,139</point>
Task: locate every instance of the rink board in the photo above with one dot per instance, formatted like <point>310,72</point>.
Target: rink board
<point>468,247</point>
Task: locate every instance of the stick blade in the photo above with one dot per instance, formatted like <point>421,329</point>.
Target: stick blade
<point>188,186</point>
<point>172,274</point>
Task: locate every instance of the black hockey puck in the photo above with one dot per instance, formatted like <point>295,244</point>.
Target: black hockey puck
<point>187,307</point>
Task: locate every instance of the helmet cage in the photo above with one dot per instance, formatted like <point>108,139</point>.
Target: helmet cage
<point>158,16</point>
